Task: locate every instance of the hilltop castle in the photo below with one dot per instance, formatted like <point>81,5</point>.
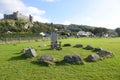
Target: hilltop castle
<point>18,16</point>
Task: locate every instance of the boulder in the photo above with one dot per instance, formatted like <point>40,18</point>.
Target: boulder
<point>44,58</point>
<point>93,58</point>
<point>24,50</point>
<point>97,49</point>
<point>78,45</point>
<point>72,59</point>
<point>88,47</point>
<point>58,46</point>
<point>29,52</point>
<point>66,45</point>
<point>104,53</point>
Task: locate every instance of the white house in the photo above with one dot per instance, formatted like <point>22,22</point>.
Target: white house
<point>43,34</point>
<point>84,34</point>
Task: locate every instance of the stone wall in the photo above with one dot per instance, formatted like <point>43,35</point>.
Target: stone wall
<point>18,16</point>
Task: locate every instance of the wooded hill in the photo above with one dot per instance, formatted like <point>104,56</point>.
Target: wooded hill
<point>13,27</point>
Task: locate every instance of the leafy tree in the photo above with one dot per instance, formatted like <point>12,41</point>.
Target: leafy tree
<point>39,27</point>
<point>100,31</point>
<point>118,31</point>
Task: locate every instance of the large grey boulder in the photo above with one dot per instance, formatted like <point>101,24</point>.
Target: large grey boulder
<point>88,47</point>
<point>93,58</point>
<point>104,53</point>
<point>29,52</point>
<point>47,60</point>
<point>78,45</point>
<point>44,58</point>
<point>72,59</point>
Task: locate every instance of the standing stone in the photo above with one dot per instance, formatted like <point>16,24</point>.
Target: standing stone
<point>53,40</point>
<point>93,57</point>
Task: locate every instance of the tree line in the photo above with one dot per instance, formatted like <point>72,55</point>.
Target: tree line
<point>14,28</point>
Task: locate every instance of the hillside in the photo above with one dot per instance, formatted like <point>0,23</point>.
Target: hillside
<point>15,26</point>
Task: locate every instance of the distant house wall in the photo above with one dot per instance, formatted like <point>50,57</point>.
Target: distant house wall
<point>18,16</point>
<point>84,34</point>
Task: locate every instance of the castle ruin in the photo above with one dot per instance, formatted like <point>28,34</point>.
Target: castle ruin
<point>18,16</point>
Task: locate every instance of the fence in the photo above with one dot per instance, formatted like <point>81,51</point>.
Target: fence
<point>19,39</point>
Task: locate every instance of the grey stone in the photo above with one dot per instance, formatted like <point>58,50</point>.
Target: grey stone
<point>29,52</point>
<point>78,45</point>
<point>66,45</point>
<point>98,49</point>
<point>93,57</point>
<point>88,47</point>
<point>106,54</point>
<point>54,37</point>
<point>24,50</point>
<point>72,58</point>
<point>58,47</point>
<point>45,58</point>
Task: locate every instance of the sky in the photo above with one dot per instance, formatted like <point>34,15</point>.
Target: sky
<point>99,13</point>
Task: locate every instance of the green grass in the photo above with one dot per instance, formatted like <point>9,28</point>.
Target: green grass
<point>14,67</point>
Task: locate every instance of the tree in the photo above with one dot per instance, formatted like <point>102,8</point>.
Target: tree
<point>100,31</point>
<point>39,27</point>
<point>118,31</point>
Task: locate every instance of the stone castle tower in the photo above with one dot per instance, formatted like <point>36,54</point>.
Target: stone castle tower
<point>18,16</point>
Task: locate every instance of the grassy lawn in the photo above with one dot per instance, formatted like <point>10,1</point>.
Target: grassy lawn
<point>14,67</point>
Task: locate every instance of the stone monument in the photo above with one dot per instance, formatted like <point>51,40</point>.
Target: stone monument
<point>53,40</point>
<point>54,36</point>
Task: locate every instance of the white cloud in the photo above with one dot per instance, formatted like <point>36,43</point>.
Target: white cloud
<point>35,11</point>
<point>1,16</point>
<point>37,18</point>
<point>8,6</point>
<point>88,19</point>
<point>106,13</point>
<point>66,22</point>
<point>102,13</point>
<point>49,0</point>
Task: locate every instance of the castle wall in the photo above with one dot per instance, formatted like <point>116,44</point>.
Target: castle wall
<point>18,16</point>
<point>22,17</point>
<point>8,16</point>
<point>30,18</point>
